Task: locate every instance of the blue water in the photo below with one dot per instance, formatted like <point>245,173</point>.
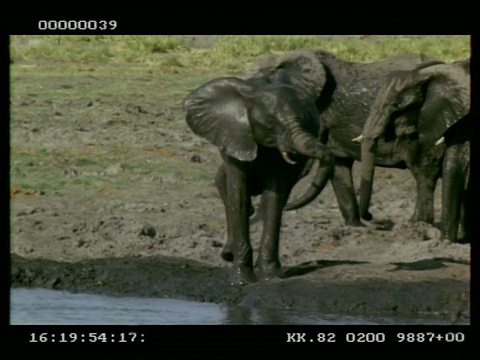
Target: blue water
<point>51,307</point>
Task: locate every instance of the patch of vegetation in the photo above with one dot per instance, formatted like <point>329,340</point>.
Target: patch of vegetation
<point>82,48</point>
<point>231,52</point>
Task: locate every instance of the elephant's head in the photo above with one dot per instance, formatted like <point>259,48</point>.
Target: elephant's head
<point>300,68</point>
<point>274,107</point>
<point>426,101</point>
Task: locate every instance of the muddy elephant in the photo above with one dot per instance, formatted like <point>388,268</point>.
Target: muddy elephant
<point>344,105</point>
<point>266,129</point>
<point>424,104</point>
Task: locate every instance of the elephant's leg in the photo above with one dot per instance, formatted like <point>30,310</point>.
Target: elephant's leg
<point>221,182</point>
<point>467,210</point>
<point>344,189</point>
<point>221,185</point>
<point>424,210</point>
<point>425,165</point>
<point>237,214</point>
<point>453,192</point>
<point>274,198</point>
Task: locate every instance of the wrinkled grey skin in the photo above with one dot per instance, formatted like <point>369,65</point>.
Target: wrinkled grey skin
<point>425,103</point>
<point>456,225</point>
<point>266,128</point>
<point>344,106</point>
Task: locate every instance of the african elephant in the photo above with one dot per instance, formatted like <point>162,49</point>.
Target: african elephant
<point>426,104</point>
<point>344,106</point>
<point>266,129</point>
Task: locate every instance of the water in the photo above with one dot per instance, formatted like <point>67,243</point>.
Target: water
<point>50,307</point>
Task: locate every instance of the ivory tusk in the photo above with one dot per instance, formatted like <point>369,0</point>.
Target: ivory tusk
<point>287,158</point>
<point>440,141</point>
<point>358,139</point>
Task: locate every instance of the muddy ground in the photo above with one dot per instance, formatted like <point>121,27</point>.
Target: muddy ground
<point>107,226</point>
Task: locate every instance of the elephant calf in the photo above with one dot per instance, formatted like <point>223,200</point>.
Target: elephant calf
<point>266,130</point>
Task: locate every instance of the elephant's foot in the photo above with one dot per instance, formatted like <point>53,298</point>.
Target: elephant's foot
<point>227,254</point>
<point>453,236</point>
<point>367,216</point>
<point>464,236</point>
<point>356,223</point>
<point>352,218</point>
<point>268,270</point>
<point>243,275</point>
<point>464,239</point>
<point>446,238</point>
<point>422,218</point>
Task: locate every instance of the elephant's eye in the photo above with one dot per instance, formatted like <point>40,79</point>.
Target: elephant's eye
<point>270,121</point>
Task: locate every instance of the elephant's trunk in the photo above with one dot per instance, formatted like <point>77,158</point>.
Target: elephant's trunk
<point>306,144</point>
<point>310,146</point>
<point>312,192</point>
<point>369,148</point>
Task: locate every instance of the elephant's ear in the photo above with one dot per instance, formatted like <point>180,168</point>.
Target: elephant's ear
<point>218,112</point>
<point>399,91</point>
<point>445,101</point>
<point>447,98</point>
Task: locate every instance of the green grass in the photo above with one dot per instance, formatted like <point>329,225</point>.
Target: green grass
<point>110,66</point>
<point>230,53</point>
<point>81,171</point>
<point>80,48</point>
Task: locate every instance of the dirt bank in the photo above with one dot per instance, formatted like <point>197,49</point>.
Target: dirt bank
<point>402,271</point>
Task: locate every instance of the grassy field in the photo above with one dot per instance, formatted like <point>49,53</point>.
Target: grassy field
<point>187,54</point>
<point>81,103</point>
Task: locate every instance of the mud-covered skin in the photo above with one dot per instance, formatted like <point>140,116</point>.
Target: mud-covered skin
<point>272,178</point>
<point>344,106</point>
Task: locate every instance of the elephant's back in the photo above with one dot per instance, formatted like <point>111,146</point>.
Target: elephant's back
<point>399,62</point>
<point>356,87</point>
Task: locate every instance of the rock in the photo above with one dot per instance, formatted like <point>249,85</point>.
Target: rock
<point>80,243</point>
<point>148,230</point>
<point>196,158</point>
<point>216,244</point>
<point>113,169</point>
